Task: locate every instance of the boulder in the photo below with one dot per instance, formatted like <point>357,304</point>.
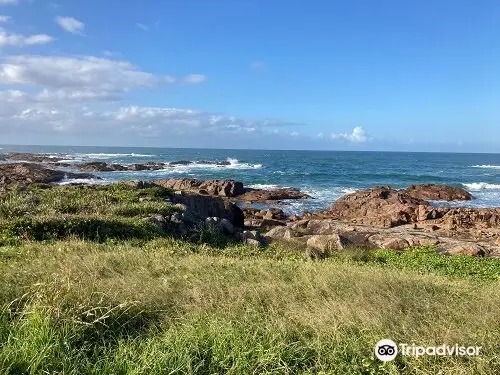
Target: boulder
<point>280,233</point>
<point>388,241</point>
<point>438,192</point>
<point>252,237</point>
<point>227,227</point>
<point>219,225</point>
<point>201,206</point>
<point>462,248</point>
<point>234,214</point>
<point>382,207</point>
<point>159,221</point>
<point>327,242</point>
<point>224,188</point>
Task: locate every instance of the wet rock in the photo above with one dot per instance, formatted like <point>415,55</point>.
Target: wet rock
<point>96,166</point>
<point>180,162</point>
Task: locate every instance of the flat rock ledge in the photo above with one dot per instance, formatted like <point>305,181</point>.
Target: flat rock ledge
<point>323,236</point>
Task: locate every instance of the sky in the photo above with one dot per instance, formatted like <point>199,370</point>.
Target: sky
<point>397,75</point>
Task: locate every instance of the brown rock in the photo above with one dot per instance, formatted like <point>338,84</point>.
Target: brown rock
<point>283,233</point>
<point>31,157</point>
<point>224,188</point>
<point>259,195</point>
<point>463,248</point>
<point>96,166</point>
<point>25,173</point>
<point>438,192</point>
<point>381,206</point>
<point>326,243</point>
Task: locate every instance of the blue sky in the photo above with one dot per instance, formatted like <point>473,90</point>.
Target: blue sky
<point>361,75</point>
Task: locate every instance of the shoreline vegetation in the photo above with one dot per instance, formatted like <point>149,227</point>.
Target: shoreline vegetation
<point>155,278</point>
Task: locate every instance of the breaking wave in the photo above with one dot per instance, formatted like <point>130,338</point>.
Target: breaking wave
<point>264,186</point>
<point>486,166</point>
<point>478,186</point>
<point>110,156</point>
<point>229,164</point>
<point>90,181</point>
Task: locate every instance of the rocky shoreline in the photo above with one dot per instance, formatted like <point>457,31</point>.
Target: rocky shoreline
<point>380,217</point>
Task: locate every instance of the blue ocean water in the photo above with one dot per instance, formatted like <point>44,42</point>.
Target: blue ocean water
<point>325,175</point>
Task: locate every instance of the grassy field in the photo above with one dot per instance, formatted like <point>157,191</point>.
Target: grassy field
<point>145,303</point>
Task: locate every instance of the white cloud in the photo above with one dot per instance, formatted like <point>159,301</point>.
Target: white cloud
<point>19,40</point>
<point>78,95</point>
<point>9,2</point>
<point>70,24</point>
<point>5,19</point>
<point>358,135</point>
<point>49,113</point>
<point>83,73</point>
<point>142,26</point>
<point>195,78</point>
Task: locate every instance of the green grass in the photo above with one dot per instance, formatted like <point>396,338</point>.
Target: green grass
<point>98,213</point>
<point>71,303</point>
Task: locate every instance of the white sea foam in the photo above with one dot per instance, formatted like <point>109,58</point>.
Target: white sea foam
<point>233,164</point>
<point>264,186</point>
<point>69,161</point>
<point>101,155</point>
<point>236,164</point>
<point>348,191</point>
<point>90,181</point>
<point>478,186</point>
<point>486,166</point>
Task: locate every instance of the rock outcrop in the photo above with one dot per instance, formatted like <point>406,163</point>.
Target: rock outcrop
<point>438,192</point>
<point>224,188</point>
<point>30,157</point>
<point>25,173</point>
<point>197,207</point>
<point>383,207</point>
<point>266,196</point>
<point>322,236</point>
<point>99,166</point>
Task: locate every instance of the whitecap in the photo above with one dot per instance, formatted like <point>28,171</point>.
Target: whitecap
<point>478,186</point>
<point>264,186</point>
<point>236,164</point>
<point>348,191</point>
<point>101,155</point>
<point>89,181</point>
<point>486,166</point>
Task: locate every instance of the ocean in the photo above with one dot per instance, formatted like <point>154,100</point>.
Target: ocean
<point>325,175</point>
